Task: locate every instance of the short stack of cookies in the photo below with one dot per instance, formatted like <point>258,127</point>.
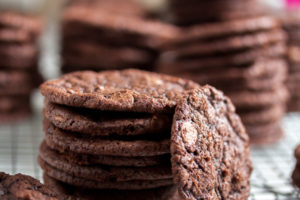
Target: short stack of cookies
<point>18,64</point>
<point>292,27</point>
<point>245,59</point>
<point>191,12</point>
<point>110,34</point>
<point>112,135</point>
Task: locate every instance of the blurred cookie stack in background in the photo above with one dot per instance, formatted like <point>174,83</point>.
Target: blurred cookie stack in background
<point>241,54</point>
<point>110,34</point>
<point>291,24</point>
<point>19,74</point>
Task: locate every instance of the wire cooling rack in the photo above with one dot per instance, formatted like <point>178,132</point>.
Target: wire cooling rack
<point>270,180</point>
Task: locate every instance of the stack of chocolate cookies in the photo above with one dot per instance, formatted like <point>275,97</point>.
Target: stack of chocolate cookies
<point>112,135</point>
<point>19,64</point>
<point>291,24</point>
<point>193,11</point>
<point>110,34</point>
<point>245,59</point>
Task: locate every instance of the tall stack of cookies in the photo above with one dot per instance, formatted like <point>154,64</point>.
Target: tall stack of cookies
<point>292,27</point>
<point>112,135</point>
<point>242,57</point>
<point>19,64</point>
<point>110,34</point>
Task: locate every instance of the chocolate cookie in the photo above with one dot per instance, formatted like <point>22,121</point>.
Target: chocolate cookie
<point>162,193</point>
<point>265,134</point>
<point>21,51</point>
<point>116,29</point>
<point>93,122</point>
<point>14,36</point>
<point>237,59</point>
<point>10,82</point>
<point>228,28</point>
<point>88,159</point>
<point>229,44</point>
<point>24,187</point>
<point>12,103</point>
<point>104,173</point>
<point>127,90</point>
<point>245,99</point>
<point>63,140</point>
<point>15,115</point>
<point>262,115</point>
<point>92,184</point>
<point>85,53</point>
<point>261,75</point>
<point>19,21</point>
<point>209,148</point>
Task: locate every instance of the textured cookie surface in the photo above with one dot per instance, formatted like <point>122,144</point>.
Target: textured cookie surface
<point>93,122</point>
<point>104,173</point>
<point>209,148</point>
<point>127,90</point>
<point>67,141</point>
<point>161,193</point>
<point>23,187</point>
<point>89,183</point>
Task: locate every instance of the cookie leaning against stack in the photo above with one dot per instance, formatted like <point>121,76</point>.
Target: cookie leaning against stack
<point>243,58</point>
<point>18,67</point>
<point>108,134</point>
<point>107,36</point>
<point>292,27</point>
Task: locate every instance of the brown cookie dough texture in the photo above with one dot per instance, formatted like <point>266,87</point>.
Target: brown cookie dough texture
<point>209,148</point>
<point>126,90</point>
<point>24,187</point>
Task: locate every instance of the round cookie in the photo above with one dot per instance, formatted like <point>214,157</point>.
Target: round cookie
<point>17,21</point>
<point>63,140</point>
<point>229,44</point>
<point>260,75</point>
<point>13,103</point>
<point>246,99</point>
<point>88,159</point>
<point>227,28</point>
<point>92,184</point>
<point>15,116</point>
<point>116,29</point>
<point>162,193</point>
<point>237,59</point>
<point>24,187</point>
<point>14,36</point>
<point>265,134</point>
<point>16,51</point>
<point>104,173</point>
<point>10,82</point>
<point>262,115</point>
<point>91,122</point>
<point>126,90</point>
<point>209,148</point>
<point>85,53</point>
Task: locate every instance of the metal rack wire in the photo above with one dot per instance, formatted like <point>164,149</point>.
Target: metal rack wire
<point>270,180</point>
